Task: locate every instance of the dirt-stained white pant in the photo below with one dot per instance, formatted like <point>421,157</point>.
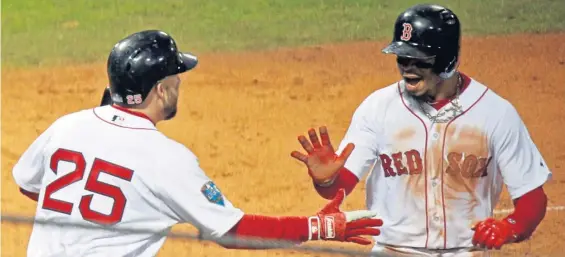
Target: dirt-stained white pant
<point>399,251</point>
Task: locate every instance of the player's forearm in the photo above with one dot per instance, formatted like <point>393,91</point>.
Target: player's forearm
<point>345,179</point>
<point>529,212</point>
<point>293,229</point>
<point>330,223</point>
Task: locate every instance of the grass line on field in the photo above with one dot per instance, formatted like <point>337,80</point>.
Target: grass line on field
<point>38,32</point>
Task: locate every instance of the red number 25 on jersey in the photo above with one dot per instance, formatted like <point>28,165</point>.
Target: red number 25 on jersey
<point>92,185</point>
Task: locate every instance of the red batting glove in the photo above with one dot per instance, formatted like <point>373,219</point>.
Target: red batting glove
<point>332,224</point>
<point>493,233</point>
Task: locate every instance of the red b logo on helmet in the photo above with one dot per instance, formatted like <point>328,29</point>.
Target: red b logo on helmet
<point>406,31</point>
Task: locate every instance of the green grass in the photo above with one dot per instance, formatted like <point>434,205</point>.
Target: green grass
<point>44,32</point>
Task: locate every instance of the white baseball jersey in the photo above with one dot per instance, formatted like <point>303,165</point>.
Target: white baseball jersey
<point>110,167</point>
<point>431,182</point>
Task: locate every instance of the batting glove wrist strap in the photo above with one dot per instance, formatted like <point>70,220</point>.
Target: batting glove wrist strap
<point>511,223</point>
<point>327,183</point>
<point>331,223</point>
<point>313,228</point>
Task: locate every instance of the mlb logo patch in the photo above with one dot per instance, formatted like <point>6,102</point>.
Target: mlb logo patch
<point>212,193</point>
<point>117,118</point>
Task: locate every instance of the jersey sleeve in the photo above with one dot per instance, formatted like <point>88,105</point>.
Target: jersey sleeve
<point>194,198</point>
<point>29,169</point>
<point>363,133</point>
<point>519,160</point>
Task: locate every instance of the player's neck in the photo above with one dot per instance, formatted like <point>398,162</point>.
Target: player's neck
<point>153,115</point>
<point>445,89</point>
<point>153,112</point>
<point>145,112</point>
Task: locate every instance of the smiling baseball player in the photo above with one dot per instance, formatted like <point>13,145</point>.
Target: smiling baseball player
<point>110,167</point>
<point>438,147</point>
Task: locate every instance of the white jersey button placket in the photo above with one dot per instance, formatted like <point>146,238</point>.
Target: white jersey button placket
<point>435,201</point>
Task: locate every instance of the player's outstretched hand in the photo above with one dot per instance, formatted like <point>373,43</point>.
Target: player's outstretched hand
<point>320,158</point>
<point>331,223</point>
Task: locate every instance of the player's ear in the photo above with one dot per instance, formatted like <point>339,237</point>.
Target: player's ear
<point>160,89</point>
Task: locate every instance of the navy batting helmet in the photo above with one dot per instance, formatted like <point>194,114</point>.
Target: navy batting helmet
<point>139,61</point>
<point>427,31</point>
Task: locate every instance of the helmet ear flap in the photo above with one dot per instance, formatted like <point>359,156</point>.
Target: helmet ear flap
<point>447,58</point>
<point>444,67</point>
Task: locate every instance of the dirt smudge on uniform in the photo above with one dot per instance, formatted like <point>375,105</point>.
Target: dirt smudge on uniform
<point>434,152</point>
<point>404,134</point>
<point>416,185</point>
<point>415,182</point>
<point>465,156</point>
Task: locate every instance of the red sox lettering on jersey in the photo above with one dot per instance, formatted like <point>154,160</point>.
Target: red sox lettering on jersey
<point>432,181</point>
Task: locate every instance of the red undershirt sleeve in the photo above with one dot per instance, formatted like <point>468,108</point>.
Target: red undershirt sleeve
<point>345,179</point>
<point>293,229</point>
<point>30,195</point>
<point>529,211</point>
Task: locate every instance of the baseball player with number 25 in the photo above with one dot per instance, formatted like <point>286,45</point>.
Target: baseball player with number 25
<point>109,166</point>
<point>438,146</point>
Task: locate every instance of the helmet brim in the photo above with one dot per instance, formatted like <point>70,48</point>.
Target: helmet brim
<point>404,49</point>
<point>187,61</point>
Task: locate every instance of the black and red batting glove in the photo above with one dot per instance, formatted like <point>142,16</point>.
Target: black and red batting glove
<point>332,224</point>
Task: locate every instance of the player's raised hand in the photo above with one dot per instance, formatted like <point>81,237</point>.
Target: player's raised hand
<point>331,223</point>
<point>320,158</point>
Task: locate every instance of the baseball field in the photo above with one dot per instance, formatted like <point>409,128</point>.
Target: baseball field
<point>268,71</point>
